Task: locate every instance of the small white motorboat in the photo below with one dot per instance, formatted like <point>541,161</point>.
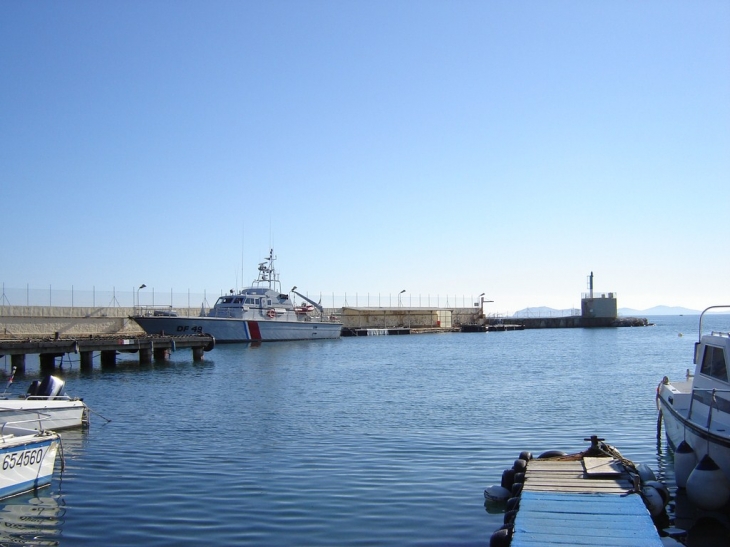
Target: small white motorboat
<point>27,458</point>
<point>45,406</point>
<point>696,416</point>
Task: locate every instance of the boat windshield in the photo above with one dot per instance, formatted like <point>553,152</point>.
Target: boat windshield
<point>713,363</point>
<point>237,301</point>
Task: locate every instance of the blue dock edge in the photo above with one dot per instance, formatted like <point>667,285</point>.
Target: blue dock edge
<point>606,520</point>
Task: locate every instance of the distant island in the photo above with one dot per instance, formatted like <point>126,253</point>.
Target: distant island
<point>660,310</point>
<point>544,311</point>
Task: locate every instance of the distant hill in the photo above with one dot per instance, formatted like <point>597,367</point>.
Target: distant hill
<point>658,310</point>
<point>544,311</point>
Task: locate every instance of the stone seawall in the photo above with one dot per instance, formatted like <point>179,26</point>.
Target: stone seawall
<point>573,321</point>
<point>45,321</point>
<point>35,321</point>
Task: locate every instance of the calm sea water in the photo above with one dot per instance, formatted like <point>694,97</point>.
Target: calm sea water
<point>360,441</point>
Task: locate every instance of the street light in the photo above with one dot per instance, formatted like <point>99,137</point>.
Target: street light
<point>142,286</point>
<point>399,301</point>
<point>481,303</point>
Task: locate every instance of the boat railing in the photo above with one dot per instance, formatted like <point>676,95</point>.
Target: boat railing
<point>702,315</point>
<point>709,397</point>
<point>152,311</point>
<point>697,355</point>
<point>15,427</point>
<point>49,398</point>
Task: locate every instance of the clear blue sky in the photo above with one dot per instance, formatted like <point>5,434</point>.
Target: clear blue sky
<point>446,147</point>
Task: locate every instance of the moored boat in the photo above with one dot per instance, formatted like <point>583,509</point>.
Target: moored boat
<point>44,406</point>
<point>28,458</point>
<point>260,312</point>
<point>695,412</point>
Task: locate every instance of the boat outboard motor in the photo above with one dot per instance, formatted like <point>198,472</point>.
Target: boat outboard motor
<point>50,387</point>
<point>33,389</point>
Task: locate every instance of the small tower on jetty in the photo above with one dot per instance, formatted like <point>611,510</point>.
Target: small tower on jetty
<point>598,305</point>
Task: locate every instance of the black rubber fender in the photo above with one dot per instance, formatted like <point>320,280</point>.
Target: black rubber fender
<point>211,344</point>
<point>508,478</point>
<point>552,454</point>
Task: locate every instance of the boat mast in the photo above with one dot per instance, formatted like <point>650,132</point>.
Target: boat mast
<point>267,272</point>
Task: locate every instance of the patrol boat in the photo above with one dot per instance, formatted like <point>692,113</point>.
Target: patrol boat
<point>258,313</point>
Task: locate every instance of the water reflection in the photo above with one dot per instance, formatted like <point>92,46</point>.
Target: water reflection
<point>708,532</point>
<point>32,520</point>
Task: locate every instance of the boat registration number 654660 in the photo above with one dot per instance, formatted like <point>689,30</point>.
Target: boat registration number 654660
<point>24,458</point>
<point>185,328</point>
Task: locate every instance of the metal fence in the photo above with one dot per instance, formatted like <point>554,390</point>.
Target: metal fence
<point>150,296</point>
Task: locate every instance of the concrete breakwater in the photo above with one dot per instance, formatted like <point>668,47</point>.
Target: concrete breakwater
<point>31,321</point>
<point>573,321</point>
<point>63,321</point>
<point>35,321</point>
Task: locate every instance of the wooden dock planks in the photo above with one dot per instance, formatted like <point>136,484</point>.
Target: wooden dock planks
<point>571,476</point>
<point>581,503</point>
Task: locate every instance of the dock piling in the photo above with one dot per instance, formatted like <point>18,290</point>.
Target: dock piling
<point>86,360</point>
<point>108,358</point>
<point>18,362</point>
<point>161,354</point>
<point>48,361</point>
<point>145,356</point>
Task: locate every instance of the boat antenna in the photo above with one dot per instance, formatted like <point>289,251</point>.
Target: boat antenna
<point>243,241</point>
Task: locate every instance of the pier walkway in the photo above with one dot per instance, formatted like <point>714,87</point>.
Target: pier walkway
<point>146,345</point>
<point>581,503</point>
<point>588,499</point>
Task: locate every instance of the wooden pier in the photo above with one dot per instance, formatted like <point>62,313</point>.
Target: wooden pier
<point>578,501</point>
<point>147,346</point>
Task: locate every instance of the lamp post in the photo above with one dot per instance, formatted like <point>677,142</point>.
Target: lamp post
<point>399,300</point>
<point>142,286</point>
<point>481,304</point>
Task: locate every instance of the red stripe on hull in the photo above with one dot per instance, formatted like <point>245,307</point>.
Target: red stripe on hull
<point>253,329</point>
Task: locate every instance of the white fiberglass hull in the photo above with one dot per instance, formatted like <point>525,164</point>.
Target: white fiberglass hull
<point>27,462</point>
<point>715,441</point>
<point>240,330</point>
<point>40,414</point>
